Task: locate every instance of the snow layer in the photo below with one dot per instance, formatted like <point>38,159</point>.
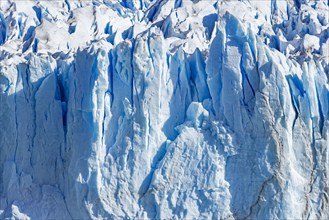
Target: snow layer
<point>164,109</point>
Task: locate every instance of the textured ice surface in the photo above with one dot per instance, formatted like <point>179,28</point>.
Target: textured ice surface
<point>164,109</point>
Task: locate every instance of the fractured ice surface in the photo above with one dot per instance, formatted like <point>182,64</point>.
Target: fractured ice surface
<point>164,109</point>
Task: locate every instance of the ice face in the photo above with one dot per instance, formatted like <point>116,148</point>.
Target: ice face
<point>164,109</point>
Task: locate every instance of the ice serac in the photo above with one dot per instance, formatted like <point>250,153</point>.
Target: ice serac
<point>164,109</point>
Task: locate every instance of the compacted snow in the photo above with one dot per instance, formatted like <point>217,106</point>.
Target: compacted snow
<point>164,109</point>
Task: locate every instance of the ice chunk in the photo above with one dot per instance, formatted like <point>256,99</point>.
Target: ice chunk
<point>196,114</point>
<point>310,43</point>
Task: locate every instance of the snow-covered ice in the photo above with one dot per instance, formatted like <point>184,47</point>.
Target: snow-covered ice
<point>164,109</point>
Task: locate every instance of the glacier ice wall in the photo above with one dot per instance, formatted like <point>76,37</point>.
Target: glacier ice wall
<point>164,109</point>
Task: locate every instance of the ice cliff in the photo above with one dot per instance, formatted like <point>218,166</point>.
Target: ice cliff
<point>164,109</point>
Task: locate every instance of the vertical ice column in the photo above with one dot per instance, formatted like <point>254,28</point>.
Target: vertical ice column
<point>84,145</point>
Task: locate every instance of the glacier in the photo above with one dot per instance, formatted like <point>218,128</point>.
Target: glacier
<point>164,109</point>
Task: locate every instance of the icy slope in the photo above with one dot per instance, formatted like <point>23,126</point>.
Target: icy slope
<point>164,109</point>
